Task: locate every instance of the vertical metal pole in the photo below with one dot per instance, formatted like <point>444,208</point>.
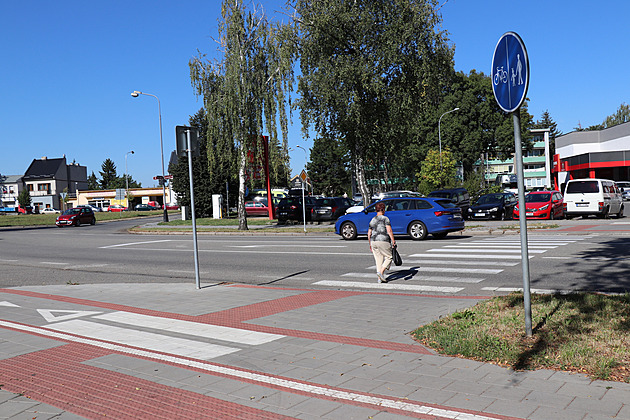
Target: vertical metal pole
<point>303,207</point>
<point>192,210</point>
<point>522,218</point>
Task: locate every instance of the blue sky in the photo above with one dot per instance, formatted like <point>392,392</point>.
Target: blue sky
<point>68,69</point>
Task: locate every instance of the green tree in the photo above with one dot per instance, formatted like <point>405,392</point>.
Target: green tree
<point>245,93</point>
<point>546,121</point>
<point>93,182</point>
<point>621,116</point>
<point>438,172</point>
<point>370,70</point>
<point>328,168</point>
<point>24,198</point>
<point>109,179</point>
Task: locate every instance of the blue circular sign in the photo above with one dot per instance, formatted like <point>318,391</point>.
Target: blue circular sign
<point>510,72</point>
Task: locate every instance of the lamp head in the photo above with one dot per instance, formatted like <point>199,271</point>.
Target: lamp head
<point>456,109</point>
<point>135,93</point>
<point>132,152</point>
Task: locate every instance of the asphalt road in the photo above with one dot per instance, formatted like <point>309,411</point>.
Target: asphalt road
<point>478,264</point>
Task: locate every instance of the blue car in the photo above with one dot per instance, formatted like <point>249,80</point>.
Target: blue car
<point>416,217</point>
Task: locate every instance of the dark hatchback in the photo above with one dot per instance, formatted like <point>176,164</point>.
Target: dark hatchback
<point>290,208</point>
<point>416,217</point>
<point>459,197</point>
<point>330,208</point>
<point>493,206</point>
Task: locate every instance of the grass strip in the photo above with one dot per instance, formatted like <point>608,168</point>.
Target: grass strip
<point>582,332</point>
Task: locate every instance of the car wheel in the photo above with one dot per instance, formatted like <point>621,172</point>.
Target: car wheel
<point>620,214</point>
<point>417,230</point>
<point>77,222</point>
<point>440,235</point>
<point>348,231</point>
<point>93,222</point>
<point>551,215</point>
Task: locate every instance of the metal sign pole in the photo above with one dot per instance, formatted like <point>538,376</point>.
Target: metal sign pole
<point>522,219</point>
<point>192,209</point>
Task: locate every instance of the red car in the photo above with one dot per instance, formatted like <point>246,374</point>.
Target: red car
<point>256,208</point>
<point>543,205</point>
<point>117,207</point>
<point>76,216</point>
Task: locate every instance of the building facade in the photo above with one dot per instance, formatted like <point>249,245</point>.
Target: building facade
<point>10,188</point>
<point>593,154</point>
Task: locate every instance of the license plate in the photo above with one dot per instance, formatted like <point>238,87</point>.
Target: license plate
<point>457,216</point>
<point>581,204</point>
<point>322,211</point>
<point>480,214</point>
<point>529,214</point>
<point>283,213</point>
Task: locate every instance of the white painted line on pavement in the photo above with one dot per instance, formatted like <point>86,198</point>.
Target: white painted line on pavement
<point>142,339</point>
<point>86,266</point>
<point>498,251</point>
<point>242,251</point>
<point>304,387</point>
<point>388,286</point>
<point>492,246</point>
<point>473,256</point>
<point>409,267</point>
<point>187,271</point>
<point>289,245</point>
<point>3,260</point>
<point>9,304</point>
<point>422,278</point>
<point>49,314</point>
<point>135,243</point>
<point>492,263</point>
<point>284,277</point>
<point>197,329</point>
<point>54,263</point>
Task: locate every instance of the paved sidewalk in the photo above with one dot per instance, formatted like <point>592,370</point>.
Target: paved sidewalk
<point>151,351</point>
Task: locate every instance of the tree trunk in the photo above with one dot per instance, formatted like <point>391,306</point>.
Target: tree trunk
<point>359,173</point>
<point>242,216</point>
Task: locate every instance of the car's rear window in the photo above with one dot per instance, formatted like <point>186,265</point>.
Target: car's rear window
<point>582,187</point>
<point>537,198</point>
<point>325,202</point>
<point>447,204</point>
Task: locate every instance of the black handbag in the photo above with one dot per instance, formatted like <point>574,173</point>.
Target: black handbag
<point>396,256</point>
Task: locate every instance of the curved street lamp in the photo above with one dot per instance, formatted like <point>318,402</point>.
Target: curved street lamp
<point>135,94</point>
<point>440,133</point>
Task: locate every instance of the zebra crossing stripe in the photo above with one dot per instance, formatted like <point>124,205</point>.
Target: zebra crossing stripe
<point>493,263</point>
<point>474,256</point>
<point>389,286</point>
<point>419,267</point>
<point>498,251</point>
<point>397,276</point>
<point>485,246</point>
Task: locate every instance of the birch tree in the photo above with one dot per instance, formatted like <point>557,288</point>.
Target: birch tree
<point>246,90</point>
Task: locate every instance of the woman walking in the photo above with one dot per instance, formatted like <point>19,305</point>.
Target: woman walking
<point>381,240</point>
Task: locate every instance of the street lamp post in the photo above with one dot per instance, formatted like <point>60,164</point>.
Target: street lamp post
<point>440,133</point>
<point>127,179</point>
<point>303,200</point>
<point>135,94</point>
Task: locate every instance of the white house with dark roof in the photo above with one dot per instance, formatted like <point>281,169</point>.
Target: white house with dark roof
<point>10,188</point>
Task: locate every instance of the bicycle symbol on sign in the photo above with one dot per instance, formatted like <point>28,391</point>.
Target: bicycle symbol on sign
<point>500,76</point>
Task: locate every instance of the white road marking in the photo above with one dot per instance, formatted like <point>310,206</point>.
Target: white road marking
<point>409,267</point>
<point>54,263</point>
<point>216,251</point>
<point>388,286</point>
<point>292,246</point>
<point>9,304</point>
<point>422,278</point>
<point>308,388</point>
<point>142,339</point>
<point>197,329</point>
<point>135,243</point>
<point>498,251</point>
<point>285,277</point>
<point>49,314</point>
<point>187,271</point>
<point>3,260</point>
<point>492,263</point>
<point>83,267</point>
<point>473,256</point>
<point>484,246</point>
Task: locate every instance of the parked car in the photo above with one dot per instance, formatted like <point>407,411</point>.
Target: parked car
<point>172,207</point>
<point>144,207</point>
<point>76,216</point>
<point>330,208</point>
<point>624,188</point>
<point>393,194</point>
<point>413,216</point>
<point>50,210</point>
<point>290,208</point>
<point>117,208</point>
<point>94,208</point>
<point>459,197</point>
<point>592,196</point>
<point>257,208</point>
<point>493,206</point>
<point>357,207</point>
<point>542,205</point>
<point>25,210</point>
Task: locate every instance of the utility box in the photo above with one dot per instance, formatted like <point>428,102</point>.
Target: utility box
<point>217,206</point>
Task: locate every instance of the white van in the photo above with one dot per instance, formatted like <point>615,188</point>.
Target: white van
<point>591,196</point>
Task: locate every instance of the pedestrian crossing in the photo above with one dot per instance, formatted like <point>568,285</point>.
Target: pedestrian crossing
<point>455,265</point>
